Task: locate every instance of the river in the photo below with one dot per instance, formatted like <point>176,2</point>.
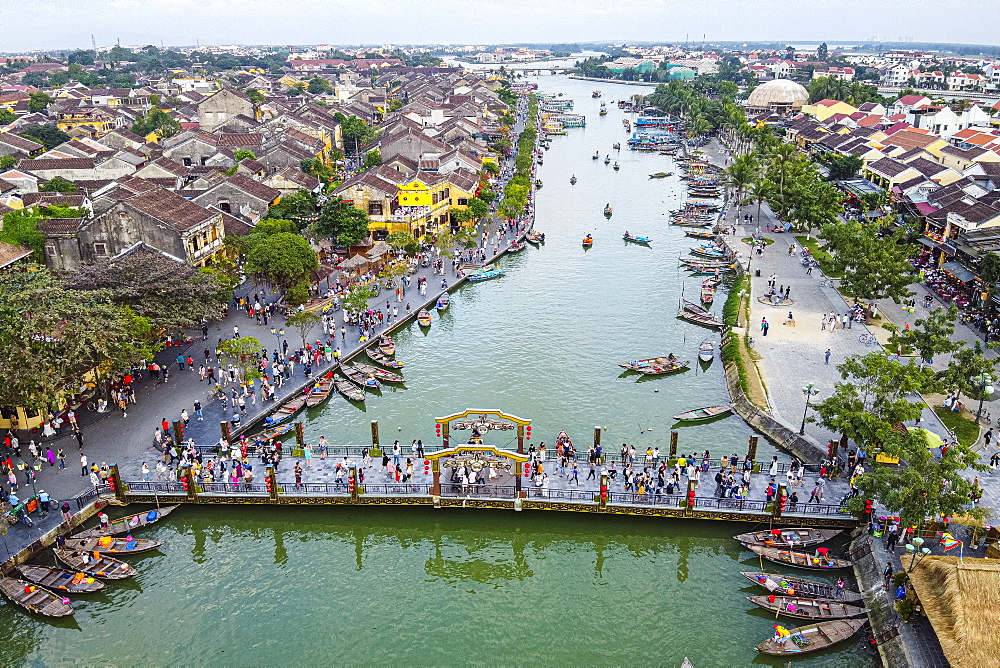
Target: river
<point>322,586</point>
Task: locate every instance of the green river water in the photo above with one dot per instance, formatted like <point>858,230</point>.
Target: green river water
<point>326,586</point>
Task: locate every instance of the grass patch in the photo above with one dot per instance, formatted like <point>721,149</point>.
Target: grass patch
<point>731,309</point>
<point>821,255</point>
<point>965,430</point>
<point>748,240</point>
<point>735,351</point>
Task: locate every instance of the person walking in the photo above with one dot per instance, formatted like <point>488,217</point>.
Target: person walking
<point>988,436</point>
<point>826,356</point>
<point>575,475</point>
<point>887,573</point>
<point>764,326</point>
<point>892,538</point>
<point>61,456</point>
<point>83,465</point>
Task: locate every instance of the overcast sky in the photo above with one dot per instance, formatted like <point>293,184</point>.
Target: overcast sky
<point>35,24</point>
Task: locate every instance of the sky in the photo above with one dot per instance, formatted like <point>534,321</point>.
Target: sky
<point>53,24</point>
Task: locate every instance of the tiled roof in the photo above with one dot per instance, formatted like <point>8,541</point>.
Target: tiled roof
<point>53,199</point>
<point>170,208</point>
<point>14,140</point>
<point>43,164</point>
<point>254,188</point>
<point>10,253</point>
<point>59,225</point>
<point>239,139</point>
<point>927,167</point>
<point>888,167</point>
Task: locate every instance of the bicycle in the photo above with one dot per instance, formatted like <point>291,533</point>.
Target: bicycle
<point>868,339</point>
<point>826,283</point>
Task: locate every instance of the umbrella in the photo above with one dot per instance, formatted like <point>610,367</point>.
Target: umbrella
<point>933,440</point>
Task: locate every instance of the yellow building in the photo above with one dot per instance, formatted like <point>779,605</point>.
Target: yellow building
<point>95,120</point>
<point>824,109</point>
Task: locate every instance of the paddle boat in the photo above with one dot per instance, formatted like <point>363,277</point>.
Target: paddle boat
<point>424,318</point>
<point>485,274</point>
<point>572,180</point>
<point>536,238</point>
<point>588,240</point>
<point>607,160</point>
<point>607,210</point>
<point>636,239</point>
<point>443,301</point>
<point>616,167</point>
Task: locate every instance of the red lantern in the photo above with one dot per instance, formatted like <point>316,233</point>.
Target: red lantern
<point>350,484</point>
<point>869,507</point>
<point>783,503</point>
<point>427,467</point>
<point>184,483</point>
<point>111,483</point>
<point>604,493</point>
<point>691,497</point>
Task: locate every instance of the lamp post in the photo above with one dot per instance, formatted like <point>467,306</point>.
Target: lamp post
<point>278,333</point>
<point>982,382</point>
<point>809,391</point>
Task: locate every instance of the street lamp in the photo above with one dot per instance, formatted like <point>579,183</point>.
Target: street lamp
<point>278,333</point>
<point>982,381</point>
<point>809,391</point>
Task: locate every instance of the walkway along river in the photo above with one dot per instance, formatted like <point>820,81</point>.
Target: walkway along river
<point>421,586</point>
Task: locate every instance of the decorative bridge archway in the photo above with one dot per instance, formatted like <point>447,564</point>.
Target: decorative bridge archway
<point>479,422</point>
<point>465,463</point>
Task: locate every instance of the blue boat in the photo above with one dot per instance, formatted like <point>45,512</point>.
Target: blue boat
<point>486,274</point>
<point>636,239</point>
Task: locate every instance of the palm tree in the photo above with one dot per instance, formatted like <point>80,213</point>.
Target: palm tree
<point>697,126</point>
<point>781,158</point>
<point>760,190</point>
<point>741,174</point>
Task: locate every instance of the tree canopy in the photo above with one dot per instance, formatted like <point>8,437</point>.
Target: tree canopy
<point>64,333</point>
<point>284,259</point>
<point>171,295</point>
<point>159,121</point>
<point>873,265</point>
<point>48,135</point>
<point>339,219</point>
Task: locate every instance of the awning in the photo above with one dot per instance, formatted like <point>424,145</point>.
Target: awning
<point>958,271</point>
<point>924,241</point>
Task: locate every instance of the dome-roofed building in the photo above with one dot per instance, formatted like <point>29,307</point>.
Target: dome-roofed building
<point>780,96</point>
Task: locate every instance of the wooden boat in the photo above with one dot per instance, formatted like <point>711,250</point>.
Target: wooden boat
<point>36,599</point>
<point>812,638</point>
<point>702,414</point>
<point>588,240</point>
<point>277,433</point>
<point>386,346</point>
<point>111,545</point>
<point>572,180</point>
<point>636,239</point>
<point>516,247</point>
<point>288,409</point>
<point>656,366</point>
<point>695,308</point>
<point>713,281</point>
<point>800,559</point>
<point>99,566</point>
<point>707,293</point>
<point>424,318</point>
<point>360,378</point>
<point>706,350</point>
<point>596,156</point>
<point>616,167</point>
<point>536,238</point>
<point>607,160</point>
<point>700,235</point>
<point>807,608</point>
<point>702,271</point>
<point>320,391</point>
<point>129,523</point>
<point>701,319</point>
<point>602,112</point>
<point>538,182</point>
<point>787,584</point>
<point>443,302</point>
<point>616,146</point>
<point>485,274</point>
<point>713,252</point>
<point>608,210</point>
<point>383,359</point>
<point>702,263</point>
<point>660,175</point>
<point>795,537</point>
<point>384,376</point>
<point>348,390</point>
<point>687,222</point>
<point>61,579</point>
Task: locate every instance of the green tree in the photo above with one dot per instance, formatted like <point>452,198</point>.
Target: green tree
<point>930,336</point>
<point>58,185</point>
<point>400,240</point>
<point>822,52</point>
<point>357,299</point>
<point>873,266</point>
<point>318,85</point>
<point>159,121</point>
<point>7,161</point>
<point>283,259</point>
<point>241,154</point>
<point>242,353</point>
<point>38,102</point>
<point>65,334</point>
<point>48,135</point>
<point>255,96</point>
<point>373,158</point>
<point>740,175</point>
<point>303,322</point>
<point>300,204</point>
<point>966,364</point>
<point>843,167</point>
<point>7,117</point>
<point>457,215</point>
<point>478,208</point>
<point>341,220</point>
